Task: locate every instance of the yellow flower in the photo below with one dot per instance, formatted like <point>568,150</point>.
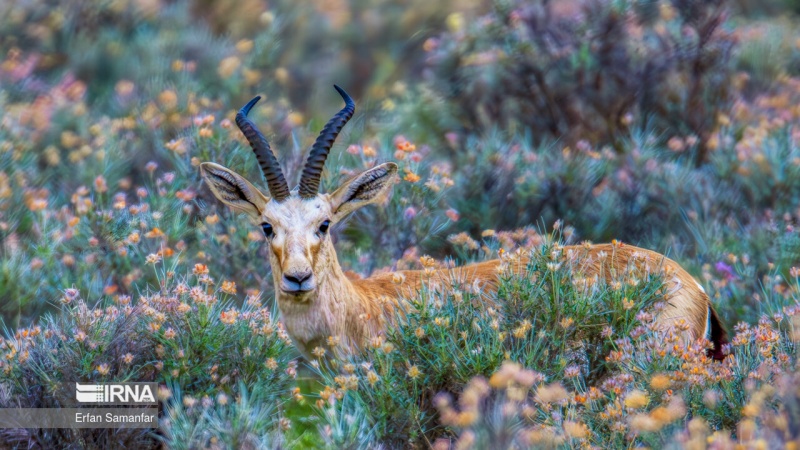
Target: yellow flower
<point>163,393</point>
<point>282,75</point>
<point>455,22</point>
<point>319,352</point>
<point>266,18</point>
<point>200,269</point>
<point>251,77</point>
<point>100,184</point>
<point>551,393</point>
<point>751,410</point>
<point>414,372</point>
<point>176,145</point>
<point>442,321</point>
<point>154,233</point>
<point>636,399</point>
<point>575,430</point>
<point>103,369</point>
<point>124,88</point>
<point>229,317</point>
<point>244,46</point>
<point>295,119</point>
<point>227,67</point>
<point>643,422</point>
<point>228,287</point>
<point>189,401</point>
<point>398,278</point>
<point>523,329</point>
<point>372,377</point>
<point>627,304</point>
<point>427,261</point>
<point>411,177</point>
<point>660,382</point>
<point>168,99</point>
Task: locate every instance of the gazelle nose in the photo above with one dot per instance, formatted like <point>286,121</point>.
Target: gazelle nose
<point>297,278</point>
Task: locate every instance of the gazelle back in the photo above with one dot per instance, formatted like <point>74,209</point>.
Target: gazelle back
<point>321,307</point>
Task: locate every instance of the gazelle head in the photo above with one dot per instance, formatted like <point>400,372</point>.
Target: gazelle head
<point>296,222</point>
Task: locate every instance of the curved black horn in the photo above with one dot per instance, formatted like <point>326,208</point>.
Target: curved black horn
<point>266,159</point>
<point>309,181</point>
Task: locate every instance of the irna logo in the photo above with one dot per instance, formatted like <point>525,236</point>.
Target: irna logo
<point>116,393</point>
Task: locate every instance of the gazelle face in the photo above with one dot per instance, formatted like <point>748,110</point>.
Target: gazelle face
<point>297,228</point>
<point>297,234</point>
<point>296,222</point>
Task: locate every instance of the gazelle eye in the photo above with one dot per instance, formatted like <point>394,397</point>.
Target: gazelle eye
<point>267,230</point>
<point>323,228</point>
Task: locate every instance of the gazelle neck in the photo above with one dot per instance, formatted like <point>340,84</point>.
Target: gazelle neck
<point>329,316</point>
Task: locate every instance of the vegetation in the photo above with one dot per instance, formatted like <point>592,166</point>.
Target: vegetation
<point>518,126</point>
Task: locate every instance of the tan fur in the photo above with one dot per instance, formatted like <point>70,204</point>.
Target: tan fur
<point>685,300</point>
<point>340,312</point>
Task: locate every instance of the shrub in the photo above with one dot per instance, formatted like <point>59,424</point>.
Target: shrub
<point>187,334</point>
<point>584,74</point>
<point>659,395</point>
<point>248,421</point>
<point>544,315</point>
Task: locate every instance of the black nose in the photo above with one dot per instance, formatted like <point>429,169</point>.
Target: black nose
<point>297,278</point>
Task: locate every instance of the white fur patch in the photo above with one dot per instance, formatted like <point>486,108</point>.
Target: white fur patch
<point>707,332</point>
<point>700,287</point>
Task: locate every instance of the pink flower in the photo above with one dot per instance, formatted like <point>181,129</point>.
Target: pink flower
<point>726,270</point>
<point>452,214</point>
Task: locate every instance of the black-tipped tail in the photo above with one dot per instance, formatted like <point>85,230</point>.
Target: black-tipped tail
<point>719,337</point>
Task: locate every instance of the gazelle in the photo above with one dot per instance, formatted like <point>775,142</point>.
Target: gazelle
<point>321,307</point>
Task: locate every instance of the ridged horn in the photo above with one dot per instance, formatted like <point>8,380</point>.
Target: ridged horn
<point>266,159</point>
<point>312,172</point>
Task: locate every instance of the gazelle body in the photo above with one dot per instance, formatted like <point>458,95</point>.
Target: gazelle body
<point>322,307</point>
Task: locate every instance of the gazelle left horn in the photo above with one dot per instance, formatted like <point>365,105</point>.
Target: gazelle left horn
<point>312,172</point>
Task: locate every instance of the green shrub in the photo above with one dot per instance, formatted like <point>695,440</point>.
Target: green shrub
<point>187,335</point>
<point>544,315</point>
<point>660,395</point>
<point>587,73</point>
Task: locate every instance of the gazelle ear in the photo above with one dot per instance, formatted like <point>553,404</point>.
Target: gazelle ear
<point>368,187</point>
<point>233,190</point>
